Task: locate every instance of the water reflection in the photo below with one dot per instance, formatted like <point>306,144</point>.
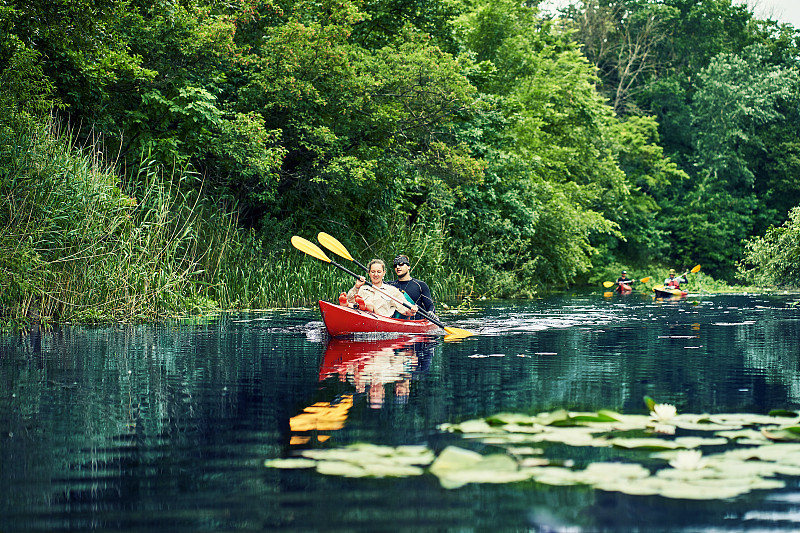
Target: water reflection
<point>372,365</point>
<point>367,368</point>
<point>166,427</point>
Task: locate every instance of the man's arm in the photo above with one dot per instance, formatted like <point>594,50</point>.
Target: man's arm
<point>426,300</point>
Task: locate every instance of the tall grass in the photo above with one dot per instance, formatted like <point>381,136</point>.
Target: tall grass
<point>78,242</point>
<point>76,247</point>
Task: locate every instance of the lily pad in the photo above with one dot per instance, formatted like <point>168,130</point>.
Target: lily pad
<point>290,463</point>
<point>692,472</point>
<point>596,472</point>
<point>503,439</point>
<point>556,417</point>
<point>626,487</point>
<point>470,426</point>
<point>684,491</point>
<point>341,468</point>
<point>786,434</point>
<point>518,428</point>
<point>554,475</point>
<point>456,467</point>
<point>783,413</point>
<point>695,442</point>
<point>742,435</point>
<point>502,419</point>
<point>392,470</point>
<point>571,436</point>
<point>750,419</point>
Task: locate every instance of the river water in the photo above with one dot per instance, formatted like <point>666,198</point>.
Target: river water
<point>167,427</point>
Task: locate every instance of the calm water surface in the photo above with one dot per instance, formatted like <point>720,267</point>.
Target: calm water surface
<point>166,428</point>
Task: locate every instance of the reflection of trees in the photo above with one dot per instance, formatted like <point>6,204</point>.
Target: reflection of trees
<point>98,403</point>
<point>118,416</point>
<point>766,344</point>
<point>678,353</point>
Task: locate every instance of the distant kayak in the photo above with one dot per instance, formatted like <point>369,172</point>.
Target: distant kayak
<point>340,320</point>
<point>664,292</point>
<point>624,288</point>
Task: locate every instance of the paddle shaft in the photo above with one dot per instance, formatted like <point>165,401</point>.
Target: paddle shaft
<point>420,311</point>
<point>338,248</point>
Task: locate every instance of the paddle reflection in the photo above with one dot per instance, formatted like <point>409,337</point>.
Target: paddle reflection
<point>373,366</point>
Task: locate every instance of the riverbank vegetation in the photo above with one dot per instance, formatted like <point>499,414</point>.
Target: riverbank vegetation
<point>155,158</point>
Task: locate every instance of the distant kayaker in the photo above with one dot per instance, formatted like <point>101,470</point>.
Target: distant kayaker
<point>377,297</point>
<point>623,283</point>
<point>417,289</point>
<point>673,282</point>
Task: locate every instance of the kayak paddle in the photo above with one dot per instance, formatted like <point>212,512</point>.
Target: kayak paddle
<point>694,270</point>
<point>608,284</point>
<point>313,250</point>
<point>332,243</point>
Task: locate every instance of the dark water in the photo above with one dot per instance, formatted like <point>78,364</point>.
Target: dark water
<point>166,428</point>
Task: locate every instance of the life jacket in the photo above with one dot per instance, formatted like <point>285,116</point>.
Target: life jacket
<point>397,314</point>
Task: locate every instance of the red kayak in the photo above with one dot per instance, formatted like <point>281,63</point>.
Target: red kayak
<point>340,320</point>
<point>667,292</point>
<point>624,288</point>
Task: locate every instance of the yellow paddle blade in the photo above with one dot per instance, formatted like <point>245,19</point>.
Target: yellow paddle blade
<point>696,269</point>
<point>332,244</point>
<point>645,280</point>
<point>458,332</point>
<point>608,284</point>
<point>310,248</point>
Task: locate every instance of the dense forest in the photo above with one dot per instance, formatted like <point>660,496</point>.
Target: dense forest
<point>156,157</point>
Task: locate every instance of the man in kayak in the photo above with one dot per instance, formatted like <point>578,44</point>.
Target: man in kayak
<point>417,289</point>
<point>623,283</point>
<point>673,282</point>
<point>380,298</point>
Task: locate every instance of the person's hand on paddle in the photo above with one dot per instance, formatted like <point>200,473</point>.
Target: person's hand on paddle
<point>411,311</point>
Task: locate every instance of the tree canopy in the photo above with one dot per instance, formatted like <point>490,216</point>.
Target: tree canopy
<point>522,149</point>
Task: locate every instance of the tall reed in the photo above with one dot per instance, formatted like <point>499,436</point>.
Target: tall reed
<point>76,247</point>
<point>80,243</point>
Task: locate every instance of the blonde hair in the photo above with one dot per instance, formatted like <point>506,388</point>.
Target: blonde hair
<point>377,262</point>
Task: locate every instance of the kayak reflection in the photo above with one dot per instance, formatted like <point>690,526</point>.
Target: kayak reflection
<point>370,367</point>
<point>373,366</point>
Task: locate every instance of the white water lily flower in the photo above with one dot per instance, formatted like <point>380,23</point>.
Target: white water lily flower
<point>663,412</point>
<point>688,460</point>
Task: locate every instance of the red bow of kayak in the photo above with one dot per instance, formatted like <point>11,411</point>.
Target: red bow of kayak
<point>340,320</point>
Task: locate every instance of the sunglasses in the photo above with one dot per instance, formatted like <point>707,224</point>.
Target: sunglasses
<point>401,264</point>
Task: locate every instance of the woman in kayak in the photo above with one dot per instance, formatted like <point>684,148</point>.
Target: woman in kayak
<point>380,298</point>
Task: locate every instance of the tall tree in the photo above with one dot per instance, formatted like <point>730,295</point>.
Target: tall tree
<point>555,185</point>
<point>738,96</point>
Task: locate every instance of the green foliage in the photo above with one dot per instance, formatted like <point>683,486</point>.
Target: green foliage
<point>737,96</point>
<point>562,172</point>
<point>76,247</point>
<point>774,259</point>
<point>478,137</point>
<point>724,89</point>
